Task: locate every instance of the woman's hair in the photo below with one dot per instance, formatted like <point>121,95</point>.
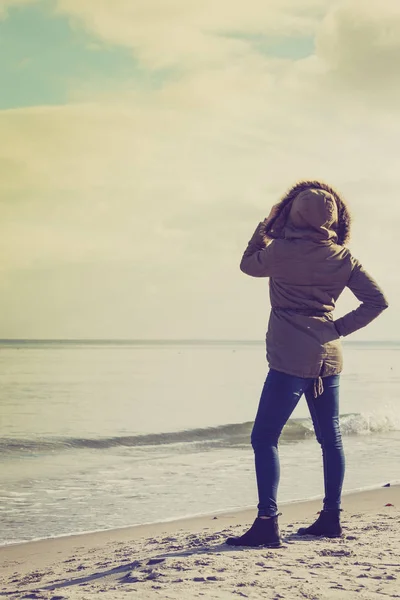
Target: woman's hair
<point>275,228</point>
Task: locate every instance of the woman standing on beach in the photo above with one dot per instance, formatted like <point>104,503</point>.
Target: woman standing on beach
<point>301,248</point>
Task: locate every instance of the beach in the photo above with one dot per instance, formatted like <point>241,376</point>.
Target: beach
<point>162,471</point>
<point>188,558</point>
<point>199,246</point>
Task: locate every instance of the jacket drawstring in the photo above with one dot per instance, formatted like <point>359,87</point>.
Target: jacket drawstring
<point>318,387</point>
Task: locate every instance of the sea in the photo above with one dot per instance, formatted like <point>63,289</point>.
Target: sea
<point>97,435</point>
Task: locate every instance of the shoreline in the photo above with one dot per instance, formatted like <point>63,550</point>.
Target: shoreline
<point>187,557</point>
<point>183,519</point>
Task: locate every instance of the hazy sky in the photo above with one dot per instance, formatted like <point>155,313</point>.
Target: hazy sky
<point>142,141</point>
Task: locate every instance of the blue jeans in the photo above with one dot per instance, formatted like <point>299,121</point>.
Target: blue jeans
<point>279,397</point>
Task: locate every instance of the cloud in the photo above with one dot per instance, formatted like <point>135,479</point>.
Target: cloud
<point>5,5</point>
<point>183,171</point>
<point>359,43</point>
<point>185,33</point>
<point>142,200</point>
<point>362,40</point>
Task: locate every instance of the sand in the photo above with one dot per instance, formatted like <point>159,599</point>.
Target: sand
<point>188,559</point>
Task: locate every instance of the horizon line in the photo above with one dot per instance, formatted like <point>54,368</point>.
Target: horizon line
<point>170,340</point>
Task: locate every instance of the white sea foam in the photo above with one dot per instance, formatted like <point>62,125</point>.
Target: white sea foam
<point>368,423</point>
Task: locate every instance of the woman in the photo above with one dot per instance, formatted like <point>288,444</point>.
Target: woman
<point>301,248</point>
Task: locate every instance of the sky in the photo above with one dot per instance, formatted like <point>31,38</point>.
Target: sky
<point>142,142</point>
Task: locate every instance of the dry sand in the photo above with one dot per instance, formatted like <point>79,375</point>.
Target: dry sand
<point>188,559</point>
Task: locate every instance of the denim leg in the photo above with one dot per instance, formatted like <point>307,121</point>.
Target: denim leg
<point>324,412</point>
<point>279,397</point>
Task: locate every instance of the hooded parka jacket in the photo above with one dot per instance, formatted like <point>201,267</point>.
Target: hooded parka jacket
<point>307,272</point>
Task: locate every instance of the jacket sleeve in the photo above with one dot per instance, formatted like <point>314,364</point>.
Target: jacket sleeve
<point>372,299</point>
<point>257,259</point>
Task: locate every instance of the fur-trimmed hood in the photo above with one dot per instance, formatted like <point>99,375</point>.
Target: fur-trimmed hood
<point>323,200</point>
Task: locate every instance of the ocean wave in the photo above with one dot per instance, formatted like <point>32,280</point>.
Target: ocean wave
<point>230,435</point>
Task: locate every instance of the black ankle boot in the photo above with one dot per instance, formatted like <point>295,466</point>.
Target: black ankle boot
<point>327,525</point>
<point>263,532</point>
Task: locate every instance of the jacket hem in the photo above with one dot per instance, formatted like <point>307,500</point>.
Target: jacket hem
<point>303,375</point>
